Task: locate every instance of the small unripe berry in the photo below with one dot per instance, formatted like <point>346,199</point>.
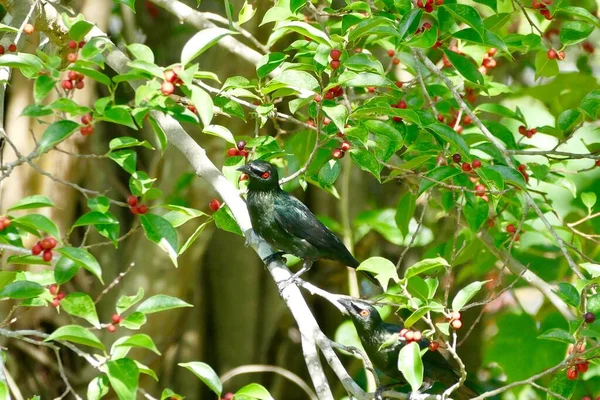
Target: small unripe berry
<point>318,98</point>
<point>345,146</point>
<point>47,255</point>
<point>232,152</point>
<point>466,167</point>
<point>335,54</point>
<point>228,396</point>
<point>589,317</point>
<point>409,336</point>
<point>561,55</point>
<point>510,228</point>
<point>403,332</point>
<point>335,64</point>
<point>454,315</point>
<point>391,53</point>
<point>456,158</point>
<point>72,57</point>
<point>28,29</point>
<point>241,145</point>
<point>214,204</point>
<point>337,153</point>
<point>116,318</point>
<point>433,346</point>
<point>417,336</point>
<point>456,324</point>
<point>167,88</point>
<point>72,44</point>
<point>111,328</point>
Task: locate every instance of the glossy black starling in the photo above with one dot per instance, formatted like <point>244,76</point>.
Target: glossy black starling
<point>373,332</point>
<point>286,223</point>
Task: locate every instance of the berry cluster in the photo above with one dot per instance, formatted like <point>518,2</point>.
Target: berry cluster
<point>402,105</point>
<point>488,61</point>
<point>527,132</point>
<point>344,147</point>
<point>87,129</point>
<point>454,319</point>
<point>116,319</point>
<point>136,208</point>
<point>466,167</point>
<point>512,229</point>
<point>559,55</point>
<point>331,94</point>
<point>580,365</point>
<point>335,55</point>
<point>427,5</point>
<point>74,81</point>
<point>171,79</point>
<point>588,47</point>
<point>542,7</point>
<point>425,27</point>
<point>392,53</point>
<point>45,245</point>
<point>11,48</point>
<point>74,46</point>
<point>238,150</point>
<point>214,204</point>
<point>410,335</point>
<point>4,223</point>
<point>58,296</point>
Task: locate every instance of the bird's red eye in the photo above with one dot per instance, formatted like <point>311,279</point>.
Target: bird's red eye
<point>266,175</point>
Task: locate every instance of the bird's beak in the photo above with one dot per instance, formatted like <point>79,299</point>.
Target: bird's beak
<point>244,168</point>
<point>347,305</point>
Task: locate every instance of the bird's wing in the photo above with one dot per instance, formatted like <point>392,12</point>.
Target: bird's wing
<point>297,220</point>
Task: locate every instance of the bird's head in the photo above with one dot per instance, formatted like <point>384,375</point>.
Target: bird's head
<point>364,316</point>
<point>262,175</point>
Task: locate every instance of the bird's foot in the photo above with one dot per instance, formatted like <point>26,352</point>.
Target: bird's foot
<point>285,284</point>
<point>305,267</point>
<point>274,257</point>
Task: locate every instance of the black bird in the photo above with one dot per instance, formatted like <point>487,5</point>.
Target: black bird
<point>286,223</point>
<point>373,332</point>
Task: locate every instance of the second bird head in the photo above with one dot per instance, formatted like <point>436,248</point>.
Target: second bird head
<point>261,175</point>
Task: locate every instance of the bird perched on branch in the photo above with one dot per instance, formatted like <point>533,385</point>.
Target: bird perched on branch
<point>286,223</point>
<point>373,333</point>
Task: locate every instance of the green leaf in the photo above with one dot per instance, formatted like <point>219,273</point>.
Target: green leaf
<point>161,302</point>
<point>246,13</point>
<point>206,375</point>
<point>22,60</point>
<point>95,218</point>
<point>558,335</point>
<point>220,131</point>
<point>180,215</point>
<point>38,222</point>
<point>465,294</point>
<point>465,66</point>
<point>37,201</point>
<point>466,14</point>
<point>308,30</point>
<point>123,142</point>
<point>385,129</point>
<point>410,20</point>
<point>561,385</point>
<point>7,277</point>
<point>436,175</point>
<point>193,237</point>
<point>119,115</point>
<point>593,304</point>
<point>254,391</point>
<point>544,66</point>
<point>592,269</point>
<point>383,269</point>
<point>81,305</point>
<point>426,265</point>
<point>161,232</point>
<point>84,259</point>
<point>204,105</point>
<point>141,52</point>
<point>268,63</point>
<point>80,29</point>
<point>416,316</point>
<point>568,293</point>
<point>125,302</point>
<point>76,334</point>
<point>21,290</point>
<point>476,213</point>
<point>43,86</point>
<point>366,161</point>
<point>573,32</point>
<point>224,220</point>
<point>36,110</point>
<point>123,375</point>
<point>201,42</point>
<point>140,183</point>
<point>338,114</point>
<point>589,199</point>
<point>140,340</point>
<point>94,74</point>
<point>451,136</point>
<point>329,173</point>
<point>591,104</point>
<point>64,270</point>
<point>97,388</point>
<point>295,80</point>
<point>405,211</point>
<point>126,159</point>
<point>568,119</point>
<point>509,175</point>
<point>56,133</point>
<point>411,365</point>
<point>134,321</point>
<point>579,13</point>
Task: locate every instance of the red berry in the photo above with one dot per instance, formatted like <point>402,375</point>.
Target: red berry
<point>53,289</point>
<point>467,120</point>
<point>522,167</point>
<point>167,88</point>
<point>397,119</point>
<point>36,250</point>
<point>489,63</point>
<point>426,26</point>
<point>510,228</point>
<point>46,244</point>
<point>28,29</point>
<point>583,367</point>
<point>81,44</point>
<point>476,163</point>
<point>170,76</point>
<point>491,223</point>
<point>403,332</point>
<point>597,163</point>
<point>241,145</point>
<point>433,346</point>
<point>420,4</point>
<point>1,50</point>
<point>132,200</point>
<point>12,47</point>
<point>60,295</point>
<point>244,153</point>
<point>552,54</point>
<point>86,119</point>
<point>72,75</point>
<point>466,167</point>
<point>589,317</point>
<point>402,104</point>
<point>116,318</point>
<point>417,336</point>
<point>79,84</point>
<point>66,84</point>
<point>335,54</point>
<point>572,373</point>
<point>86,130</point>
<point>522,130</point>
<point>192,108</point>
<point>47,255</point>
<point>335,64</point>
<point>456,158</point>
<point>326,121</point>
<point>409,336</point>
<point>232,152</point>
<point>429,8</point>
<point>371,89</point>
<point>337,153</point>
<point>55,302</point>
<point>561,55</point>
<point>536,5</point>
<point>111,328</point>
<point>72,57</point>
<point>72,44</point>
<point>456,324</point>
<point>546,13</point>
<point>439,2</point>
<point>214,204</point>
<point>345,146</point>
<point>479,190</point>
<point>395,61</point>
<point>310,122</point>
<point>440,118</point>
<point>228,396</point>
<point>143,209</point>
<point>391,53</point>
<point>458,129</point>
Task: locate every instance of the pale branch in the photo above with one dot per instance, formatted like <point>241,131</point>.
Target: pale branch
<point>260,368</point>
<point>500,147</point>
<point>114,283</point>
<point>63,375</point>
<point>546,153</point>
